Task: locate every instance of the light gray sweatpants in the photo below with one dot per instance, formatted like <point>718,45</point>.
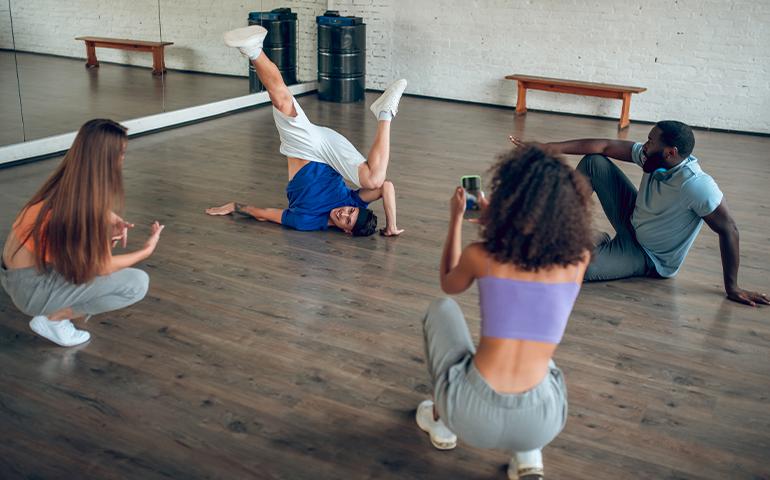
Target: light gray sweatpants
<point>476,413</point>
<point>621,256</point>
<point>36,293</point>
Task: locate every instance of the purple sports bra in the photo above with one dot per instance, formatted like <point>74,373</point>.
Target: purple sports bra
<point>525,310</point>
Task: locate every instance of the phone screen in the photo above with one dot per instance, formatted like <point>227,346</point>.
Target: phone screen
<point>472,186</point>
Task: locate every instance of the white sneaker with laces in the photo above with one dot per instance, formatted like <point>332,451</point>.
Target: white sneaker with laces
<point>388,101</point>
<point>247,39</point>
<point>62,333</point>
<point>440,436</point>
<point>526,466</point>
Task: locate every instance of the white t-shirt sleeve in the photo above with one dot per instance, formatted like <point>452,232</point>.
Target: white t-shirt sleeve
<point>636,154</point>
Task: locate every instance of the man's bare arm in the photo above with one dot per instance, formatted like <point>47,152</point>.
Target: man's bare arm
<point>388,194</point>
<point>617,149</point>
<point>389,203</point>
<point>722,223</point>
<point>262,214</point>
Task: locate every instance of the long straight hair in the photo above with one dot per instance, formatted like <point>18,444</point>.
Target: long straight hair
<point>74,221</point>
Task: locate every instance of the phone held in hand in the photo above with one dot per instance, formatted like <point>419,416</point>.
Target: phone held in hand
<point>472,186</point>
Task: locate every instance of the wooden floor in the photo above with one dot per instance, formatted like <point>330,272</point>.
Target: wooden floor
<point>261,352</point>
<point>59,94</point>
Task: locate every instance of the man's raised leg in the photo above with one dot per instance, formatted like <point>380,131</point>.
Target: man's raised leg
<point>373,173</point>
<point>249,41</point>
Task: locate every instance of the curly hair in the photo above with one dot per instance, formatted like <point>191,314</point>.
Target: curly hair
<point>539,211</point>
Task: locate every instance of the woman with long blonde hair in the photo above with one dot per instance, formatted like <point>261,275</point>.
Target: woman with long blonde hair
<point>57,263</point>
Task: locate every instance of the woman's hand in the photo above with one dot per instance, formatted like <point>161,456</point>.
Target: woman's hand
<point>120,230</point>
<point>152,242</point>
<point>457,203</point>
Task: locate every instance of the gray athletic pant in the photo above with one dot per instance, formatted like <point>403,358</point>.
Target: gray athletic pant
<point>622,256</point>
<point>475,412</point>
<point>36,293</point>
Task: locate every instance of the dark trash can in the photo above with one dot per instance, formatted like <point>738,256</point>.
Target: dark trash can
<point>280,45</point>
<point>341,58</point>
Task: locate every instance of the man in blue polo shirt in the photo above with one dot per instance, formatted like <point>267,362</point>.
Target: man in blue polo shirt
<point>656,225</point>
<point>320,159</point>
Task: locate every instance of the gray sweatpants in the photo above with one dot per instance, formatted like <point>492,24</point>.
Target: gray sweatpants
<point>36,293</point>
<point>474,411</point>
<point>621,256</point>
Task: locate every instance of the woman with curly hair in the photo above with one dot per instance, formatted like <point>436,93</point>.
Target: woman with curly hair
<point>57,263</point>
<point>536,240</point>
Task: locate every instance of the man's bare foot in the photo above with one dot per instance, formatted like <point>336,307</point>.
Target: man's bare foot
<point>225,209</point>
<point>391,232</point>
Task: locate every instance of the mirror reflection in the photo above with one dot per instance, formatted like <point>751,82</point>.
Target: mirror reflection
<point>11,130</point>
<point>123,60</point>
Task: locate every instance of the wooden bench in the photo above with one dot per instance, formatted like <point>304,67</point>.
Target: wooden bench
<point>158,63</point>
<point>604,90</point>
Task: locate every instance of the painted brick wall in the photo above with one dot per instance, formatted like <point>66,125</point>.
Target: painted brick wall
<point>6,41</point>
<point>195,27</point>
<point>705,62</point>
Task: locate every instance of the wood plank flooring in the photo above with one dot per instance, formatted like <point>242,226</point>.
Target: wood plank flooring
<point>261,352</point>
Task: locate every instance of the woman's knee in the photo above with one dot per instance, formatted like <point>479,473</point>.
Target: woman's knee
<point>441,308</point>
<point>138,282</point>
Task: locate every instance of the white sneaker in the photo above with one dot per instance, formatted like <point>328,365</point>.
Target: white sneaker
<point>62,333</point>
<point>247,39</point>
<point>526,466</point>
<point>440,436</point>
<point>388,101</point>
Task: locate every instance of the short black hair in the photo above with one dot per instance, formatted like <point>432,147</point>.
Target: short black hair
<point>366,224</point>
<point>677,134</point>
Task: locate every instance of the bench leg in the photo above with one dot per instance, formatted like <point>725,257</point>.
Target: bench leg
<point>521,99</point>
<point>91,61</point>
<point>624,113</point>
<point>158,63</point>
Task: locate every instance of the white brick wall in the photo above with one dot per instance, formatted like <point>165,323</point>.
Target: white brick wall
<point>50,26</point>
<point>704,62</point>
<point>6,41</point>
<point>195,27</point>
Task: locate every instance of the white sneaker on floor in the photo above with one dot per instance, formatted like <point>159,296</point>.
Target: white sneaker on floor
<point>247,39</point>
<point>62,333</point>
<point>440,436</point>
<point>532,470</point>
<point>388,101</point>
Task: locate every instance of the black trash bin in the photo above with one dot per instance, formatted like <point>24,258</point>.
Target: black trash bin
<point>341,58</point>
<point>280,45</point>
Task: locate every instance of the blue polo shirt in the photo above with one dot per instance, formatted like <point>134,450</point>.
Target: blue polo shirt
<point>315,191</point>
<point>669,209</point>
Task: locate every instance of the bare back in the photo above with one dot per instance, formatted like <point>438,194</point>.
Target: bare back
<point>15,255</point>
<point>513,365</point>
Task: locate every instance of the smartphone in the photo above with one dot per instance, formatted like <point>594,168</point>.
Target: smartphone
<point>472,186</point>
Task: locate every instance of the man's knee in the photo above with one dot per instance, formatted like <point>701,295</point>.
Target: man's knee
<point>589,163</point>
<point>369,182</point>
<point>283,101</point>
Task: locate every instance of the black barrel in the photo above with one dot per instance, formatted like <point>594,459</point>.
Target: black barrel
<point>341,58</point>
<point>280,45</point>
